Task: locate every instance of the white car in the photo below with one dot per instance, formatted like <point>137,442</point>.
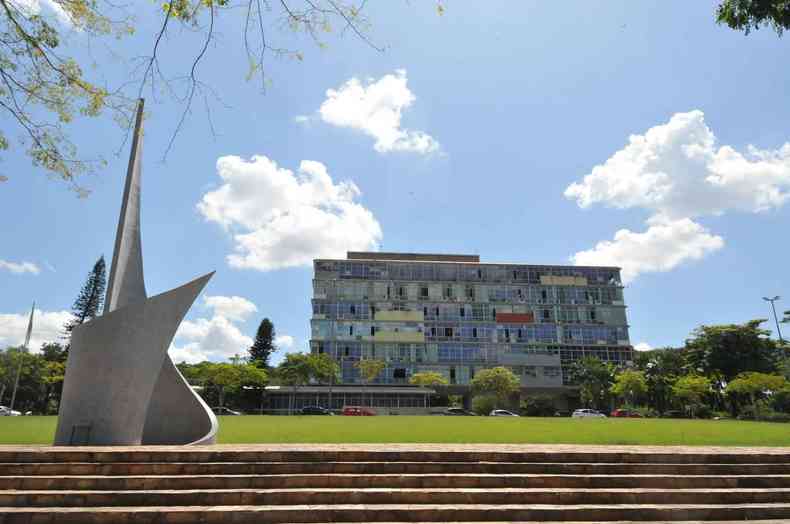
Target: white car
<point>587,413</point>
<point>501,413</point>
<point>8,412</point>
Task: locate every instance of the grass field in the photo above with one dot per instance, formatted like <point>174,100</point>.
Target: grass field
<point>298,429</point>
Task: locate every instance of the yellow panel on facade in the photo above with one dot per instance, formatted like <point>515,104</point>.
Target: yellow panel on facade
<point>399,316</point>
<point>405,337</point>
<point>552,280</point>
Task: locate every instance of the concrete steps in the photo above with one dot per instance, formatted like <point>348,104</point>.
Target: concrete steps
<point>320,485</point>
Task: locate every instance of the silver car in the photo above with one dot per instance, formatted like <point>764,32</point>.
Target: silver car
<point>587,413</point>
<point>501,413</point>
<point>8,412</point>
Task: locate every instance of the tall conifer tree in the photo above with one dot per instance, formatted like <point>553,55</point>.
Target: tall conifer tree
<point>263,347</point>
<point>91,298</point>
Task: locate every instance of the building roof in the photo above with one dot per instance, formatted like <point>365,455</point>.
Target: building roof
<point>411,257</point>
<point>362,256</point>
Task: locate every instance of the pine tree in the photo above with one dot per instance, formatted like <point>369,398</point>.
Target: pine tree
<point>263,346</point>
<point>91,298</point>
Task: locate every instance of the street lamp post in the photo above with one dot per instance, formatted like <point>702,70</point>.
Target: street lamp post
<point>776,319</point>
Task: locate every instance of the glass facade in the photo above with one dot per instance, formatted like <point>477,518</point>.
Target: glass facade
<point>456,316</point>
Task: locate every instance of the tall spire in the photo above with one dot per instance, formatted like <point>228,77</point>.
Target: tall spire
<point>25,349</point>
<point>127,285</point>
<point>30,327</point>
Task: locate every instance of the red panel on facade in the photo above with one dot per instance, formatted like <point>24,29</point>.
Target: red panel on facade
<point>515,318</point>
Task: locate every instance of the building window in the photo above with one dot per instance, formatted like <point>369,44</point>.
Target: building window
<point>425,311</point>
<point>448,292</point>
<point>351,329</point>
<point>474,332</point>
<point>372,331</point>
<point>399,373</point>
<point>462,312</point>
<point>424,292</point>
<point>470,292</point>
<point>448,332</point>
<point>546,314</point>
<point>551,371</point>
<point>401,291</point>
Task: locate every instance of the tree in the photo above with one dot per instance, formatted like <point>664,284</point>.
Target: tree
<point>91,298</point>
<point>538,406</point>
<point>325,370</point>
<point>725,351</point>
<point>661,368</point>
<point>44,86</point>
<point>428,379</point>
<point>484,404</point>
<point>595,379</point>
<point>369,370</point>
<point>263,347</point>
<point>691,390</point>
<point>295,370</point>
<point>748,15</point>
<point>630,385</point>
<point>251,376</point>
<point>224,377</point>
<point>753,384</point>
<point>499,382</point>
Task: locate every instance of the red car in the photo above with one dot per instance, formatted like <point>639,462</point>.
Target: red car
<point>625,413</point>
<point>357,411</point>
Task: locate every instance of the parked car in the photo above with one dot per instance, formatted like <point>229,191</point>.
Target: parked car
<point>357,411</point>
<point>222,410</point>
<point>502,413</point>
<point>8,412</point>
<point>315,410</point>
<point>587,413</point>
<point>459,412</point>
<point>629,413</point>
<point>673,413</point>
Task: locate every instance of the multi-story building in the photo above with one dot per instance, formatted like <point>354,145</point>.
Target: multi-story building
<point>455,315</point>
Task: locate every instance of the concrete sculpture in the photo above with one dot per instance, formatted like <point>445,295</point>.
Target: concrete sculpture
<point>121,388</point>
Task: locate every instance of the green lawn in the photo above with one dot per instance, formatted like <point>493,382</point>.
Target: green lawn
<point>269,429</point>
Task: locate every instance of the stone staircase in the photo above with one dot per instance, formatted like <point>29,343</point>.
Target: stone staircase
<point>392,483</point>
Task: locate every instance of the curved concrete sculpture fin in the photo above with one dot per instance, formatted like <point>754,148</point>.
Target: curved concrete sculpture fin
<point>121,387</point>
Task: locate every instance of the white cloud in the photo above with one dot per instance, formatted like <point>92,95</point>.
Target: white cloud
<point>677,172</point>
<point>33,7</point>
<point>665,245</point>
<point>232,308</point>
<point>375,109</point>
<point>280,219</point>
<point>47,327</point>
<point>643,346</point>
<point>216,338</point>
<point>284,342</point>
<point>20,267</point>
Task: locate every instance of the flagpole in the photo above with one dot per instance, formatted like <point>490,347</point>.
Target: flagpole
<point>22,355</point>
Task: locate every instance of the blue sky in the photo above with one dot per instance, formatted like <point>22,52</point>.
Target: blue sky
<point>505,109</point>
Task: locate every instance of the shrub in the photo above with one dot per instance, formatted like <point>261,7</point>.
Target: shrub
<point>703,411</point>
<point>538,406</point>
<point>781,401</point>
<point>647,412</point>
<point>483,404</point>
